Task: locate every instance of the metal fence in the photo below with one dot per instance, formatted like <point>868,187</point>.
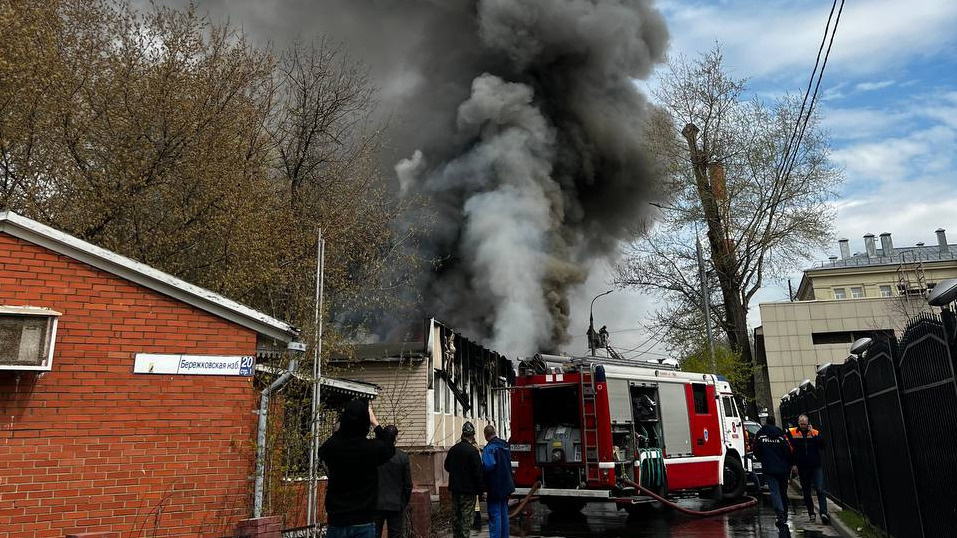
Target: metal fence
<point>889,419</point>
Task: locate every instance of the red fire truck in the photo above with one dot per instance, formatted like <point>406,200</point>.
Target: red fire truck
<point>590,429</point>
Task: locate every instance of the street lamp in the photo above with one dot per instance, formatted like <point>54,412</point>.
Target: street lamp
<point>591,321</point>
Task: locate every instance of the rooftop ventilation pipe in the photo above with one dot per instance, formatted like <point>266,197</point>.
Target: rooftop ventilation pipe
<point>261,433</point>
<point>887,245</point>
<point>869,246</point>
<point>942,240</point>
<point>845,248</point>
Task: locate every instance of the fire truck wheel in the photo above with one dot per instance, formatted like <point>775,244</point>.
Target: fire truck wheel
<point>563,505</point>
<point>735,479</point>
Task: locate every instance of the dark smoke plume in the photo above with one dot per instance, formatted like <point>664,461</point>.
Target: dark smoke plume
<point>520,122</point>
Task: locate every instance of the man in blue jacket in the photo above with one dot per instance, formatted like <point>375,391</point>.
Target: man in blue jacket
<point>774,451</point>
<point>497,464</point>
<point>808,444</point>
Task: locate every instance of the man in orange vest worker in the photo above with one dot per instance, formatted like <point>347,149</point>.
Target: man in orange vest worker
<point>808,444</point>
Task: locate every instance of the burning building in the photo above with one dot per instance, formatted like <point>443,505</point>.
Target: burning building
<point>429,386</point>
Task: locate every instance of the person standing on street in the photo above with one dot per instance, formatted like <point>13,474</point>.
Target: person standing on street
<point>352,463</point>
<point>774,451</point>
<point>808,444</point>
<point>464,466</point>
<point>497,464</point>
<point>395,490</point>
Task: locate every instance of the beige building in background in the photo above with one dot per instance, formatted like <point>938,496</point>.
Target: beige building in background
<point>850,296</point>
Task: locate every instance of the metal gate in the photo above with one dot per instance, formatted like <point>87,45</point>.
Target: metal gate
<point>929,399</point>
<point>860,443</point>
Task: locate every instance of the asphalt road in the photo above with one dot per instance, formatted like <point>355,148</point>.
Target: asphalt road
<point>603,520</point>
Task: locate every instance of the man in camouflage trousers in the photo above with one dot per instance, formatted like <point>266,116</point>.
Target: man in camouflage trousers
<point>464,465</point>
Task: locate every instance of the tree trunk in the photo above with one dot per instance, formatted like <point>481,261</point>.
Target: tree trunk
<point>723,256</point>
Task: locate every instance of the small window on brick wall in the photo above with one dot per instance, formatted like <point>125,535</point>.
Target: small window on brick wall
<point>26,337</point>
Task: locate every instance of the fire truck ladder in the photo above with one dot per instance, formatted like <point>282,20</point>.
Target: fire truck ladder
<point>586,382</point>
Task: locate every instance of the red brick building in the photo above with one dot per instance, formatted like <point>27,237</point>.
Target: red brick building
<point>86,443</point>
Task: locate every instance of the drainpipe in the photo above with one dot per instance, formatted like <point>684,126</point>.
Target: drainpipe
<point>261,433</point>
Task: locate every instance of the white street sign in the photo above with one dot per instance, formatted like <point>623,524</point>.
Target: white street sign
<point>151,363</point>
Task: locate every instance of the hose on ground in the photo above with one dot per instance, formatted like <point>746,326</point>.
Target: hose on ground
<point>699,513</point>
<point>521,504</point>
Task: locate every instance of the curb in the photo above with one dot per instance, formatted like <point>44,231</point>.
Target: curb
<point>842,527</point>
<point>833,508</point>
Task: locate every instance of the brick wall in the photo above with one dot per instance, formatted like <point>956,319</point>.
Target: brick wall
<point>90,446</point>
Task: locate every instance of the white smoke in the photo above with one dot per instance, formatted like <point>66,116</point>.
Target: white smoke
<point>510,206</point>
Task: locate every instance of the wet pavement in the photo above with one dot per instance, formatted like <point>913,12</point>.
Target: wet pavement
<point>603,520</point>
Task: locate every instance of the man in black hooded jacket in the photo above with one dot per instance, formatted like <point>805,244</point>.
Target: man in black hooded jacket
<point>773,449</point>
<point>352,463</point>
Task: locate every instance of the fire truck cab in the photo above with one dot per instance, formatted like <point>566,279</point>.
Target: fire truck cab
<point>586,427</point>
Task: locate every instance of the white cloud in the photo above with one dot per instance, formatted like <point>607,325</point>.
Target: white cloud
<point>871,86</point>
<point>894,165</point>
<point>773,38</point>
<point>857,123</point>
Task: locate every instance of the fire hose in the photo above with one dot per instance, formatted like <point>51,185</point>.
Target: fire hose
<point>699,513</point>
<point>751,501</point>
<point>521,504</point>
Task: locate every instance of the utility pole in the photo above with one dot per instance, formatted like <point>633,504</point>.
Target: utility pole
<point>312,515</point>
<point>592,335</point>
<point>706,304</point>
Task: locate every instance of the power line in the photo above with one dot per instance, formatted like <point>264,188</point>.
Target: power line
<point>817,86</point>
<point>612,332</point>
<point>650,338</point>
<point>797,134</point>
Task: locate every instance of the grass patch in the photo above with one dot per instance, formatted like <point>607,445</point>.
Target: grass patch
<point>858,524</point>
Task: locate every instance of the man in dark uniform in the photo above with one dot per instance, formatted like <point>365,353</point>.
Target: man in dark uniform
<point>395,490</point>
<point>774,451</point>
<point>352,462</point>
<point>464,466</point>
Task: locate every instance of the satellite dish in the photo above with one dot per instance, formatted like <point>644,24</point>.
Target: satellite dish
<point>805,383</point>
<point>943,293</point>
<point>793,391</point>
<point>823,367</point>
<point>861,345</point>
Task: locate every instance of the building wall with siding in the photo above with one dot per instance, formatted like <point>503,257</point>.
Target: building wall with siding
<point>402,396</point>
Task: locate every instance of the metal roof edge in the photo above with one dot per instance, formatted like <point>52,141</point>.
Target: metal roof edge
<point>144,275</point>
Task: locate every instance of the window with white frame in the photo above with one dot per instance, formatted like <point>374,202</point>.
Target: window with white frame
<point>27,335</point>
<point>857,292</point>
<point>886,291</point>
<point>840,293</point>
<point>448,396</point>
